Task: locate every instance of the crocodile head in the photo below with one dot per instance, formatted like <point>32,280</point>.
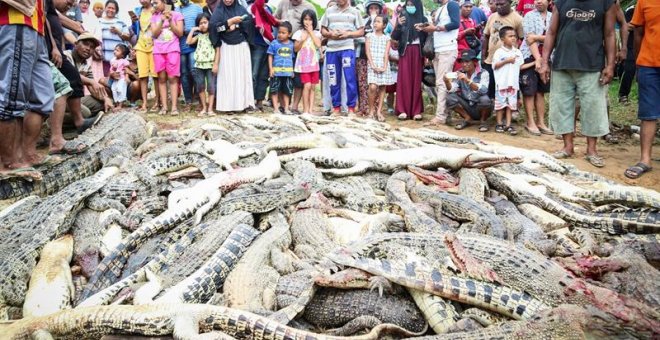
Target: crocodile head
<point>484,160</point>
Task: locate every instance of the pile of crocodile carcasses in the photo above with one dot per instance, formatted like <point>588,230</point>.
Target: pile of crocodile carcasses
<point>305,227</point>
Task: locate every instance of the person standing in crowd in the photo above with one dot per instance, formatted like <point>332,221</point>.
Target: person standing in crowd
<point>409,103</point>
<point>373,7</point>
<point>144,51</point>
<point>394,68</point>
<point>341,24</point>
<point>210,7</point>
<point>114,32</point>
<point>646,45</point>
<point>189,11</point>
<point>230,28</point>
<point>307,46</point>
<point>204,57</point>
<point>477,14</point>
<point>280,66</point>
<point>469,35</point>
<point>378,53</point>
<point>503,16</point>
<point>629,67</point>
<point>506,64</point>
<point>582,36</point>
<point>291,12</point>
<point>445,34</point>
<point>263,35</point>
<point>24,105</point>
<point>166,29</point>
<point>468,92</point>
<point>535,26</point>
<point>84,7</point>
<point>525,6</point>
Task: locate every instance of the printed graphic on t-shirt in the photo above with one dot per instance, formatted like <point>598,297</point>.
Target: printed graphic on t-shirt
<point>581,15</point>
<point>282,58</point>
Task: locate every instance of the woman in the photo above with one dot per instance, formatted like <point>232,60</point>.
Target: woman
<point>166,29</point>
<point>84,7</point>
<point>409,103</point>
<point>230,32</point>
<point>535,25</point>
<point>114,32</point>
<point>468,33</point>
<point>91,23</point>
<point>374,7</point>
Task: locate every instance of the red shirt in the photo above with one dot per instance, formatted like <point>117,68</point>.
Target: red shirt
<point>525,6</point>
<point>465,24</point>
<point>11,16</point>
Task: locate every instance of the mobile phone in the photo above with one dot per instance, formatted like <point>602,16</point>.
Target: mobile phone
<point>244,17</point>
<point>132,14</point>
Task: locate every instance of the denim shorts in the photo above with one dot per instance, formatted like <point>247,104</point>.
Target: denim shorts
<point>281,85</point>
<point>204,80</point>
<point>24,73</point>
<point>648,79</point>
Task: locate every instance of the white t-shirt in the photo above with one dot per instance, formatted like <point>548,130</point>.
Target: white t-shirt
<point>508,75</point>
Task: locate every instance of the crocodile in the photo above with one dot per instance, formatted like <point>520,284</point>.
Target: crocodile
<point>265,200</point>
<point>182,321</point>
<point>171,163</point>
<point>49,220</point>
<point>346,162</point>
<point>51,287</point>
<point>517,189</point>
<point>462,209</point>
<point>547,221</point>
<point>124,126</point>
<point>221,152</point>
<point>629,196</point>
<point>142,210</point>
<point>473,184</point>
<point>530,156</point>
<point>302,142</point>
<point>196,200</point>
<point>251,284</point>
<point>441,177</point>
<point>88,230</point>
<point>437,136</point>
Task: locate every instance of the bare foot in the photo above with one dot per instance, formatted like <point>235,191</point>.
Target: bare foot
<point>56,146</point>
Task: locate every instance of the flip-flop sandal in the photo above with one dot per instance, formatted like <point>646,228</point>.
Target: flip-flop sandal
<point>174,113</point>
<point>636,171</point>
<point>202,114</point>
<point>402,116</point>
<point>417,117</point>
<point>462,125</point>
<point>483,128</point>
<point>546,131</point>
<point>511,130</point>
<point>72,147</point>
<point>610,138</point>
<point>49,160</point>
<point>162,112</point>
<point>595,160</point>
<point>499,128</point>
<point>28,173</point>
<point>561,154</point>
<point>142,110</point>
<point>88,123</point>
<point>532,132</point>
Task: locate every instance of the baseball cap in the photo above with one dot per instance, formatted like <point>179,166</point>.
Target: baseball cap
<point>89,36</point>
<point>468,55</point>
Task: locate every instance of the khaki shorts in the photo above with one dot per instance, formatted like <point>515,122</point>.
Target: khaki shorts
<point>565,86</point>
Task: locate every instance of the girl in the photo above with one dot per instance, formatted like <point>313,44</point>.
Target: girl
<point>307,45</point>
<point>119,64</point>
<point>379,74</point>
<point>166,29</point>
<point>229,33</point>
<point>204,57</point>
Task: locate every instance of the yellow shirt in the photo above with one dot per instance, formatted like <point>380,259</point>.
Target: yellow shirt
<point>145,43</point>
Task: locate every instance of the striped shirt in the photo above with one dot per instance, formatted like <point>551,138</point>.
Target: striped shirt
<point>190,14</point>
<point>11,16</point>
<point>111,40</point>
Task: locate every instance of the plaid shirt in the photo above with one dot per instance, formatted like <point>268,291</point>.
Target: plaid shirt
<point>84,68</point>
<point>482,78</point>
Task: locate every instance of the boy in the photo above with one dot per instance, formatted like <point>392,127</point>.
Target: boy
<point>507,61</point>
<point>280,64</point>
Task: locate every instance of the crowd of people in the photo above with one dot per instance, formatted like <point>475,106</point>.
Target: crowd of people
<point>69,62</point>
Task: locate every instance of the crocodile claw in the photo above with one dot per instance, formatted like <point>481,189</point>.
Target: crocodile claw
<point>380,283</point>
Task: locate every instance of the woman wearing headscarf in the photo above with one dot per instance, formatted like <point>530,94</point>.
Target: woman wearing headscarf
<point>409,103</point>
<point>231,29</point>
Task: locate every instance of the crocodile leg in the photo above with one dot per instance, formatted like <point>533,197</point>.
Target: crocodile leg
<point>467,263</point>
<point>361,323</point>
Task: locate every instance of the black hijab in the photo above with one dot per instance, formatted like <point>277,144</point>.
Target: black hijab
<point>407,33</point>
<point>220,32</point>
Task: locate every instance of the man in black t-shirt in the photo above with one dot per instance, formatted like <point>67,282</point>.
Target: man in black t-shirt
<point>583,38</point>
<point>629,67</point>
<point>55,44</point>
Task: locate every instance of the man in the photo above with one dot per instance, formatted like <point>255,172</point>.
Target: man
<point>444,28</point>
<point>291,11</point>
<point>629,67</point>
<point>190,12</point>
<point>27,92</point>
<point>468,93</point>
<point>341,24</point>
<point>503,16</point>
<point>647,43</point>
<point>583,31</point>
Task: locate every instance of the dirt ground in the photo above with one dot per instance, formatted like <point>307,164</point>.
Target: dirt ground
<point>617,156</point>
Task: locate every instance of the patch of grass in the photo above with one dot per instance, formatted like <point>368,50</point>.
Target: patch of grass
<point>620,113</point>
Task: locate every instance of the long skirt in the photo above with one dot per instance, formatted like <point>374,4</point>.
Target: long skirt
<point>363,84</point>
<point>409,82</point>
<point>234,86</point>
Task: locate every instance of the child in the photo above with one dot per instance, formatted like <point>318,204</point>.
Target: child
<point>379,75</point>
<point>119,64</point>
<point>307,45</point>
<point>507,61</point>
<point>166,29</point>
<point>204,58</point>
<point>280,65</point>
<point>394,68</point>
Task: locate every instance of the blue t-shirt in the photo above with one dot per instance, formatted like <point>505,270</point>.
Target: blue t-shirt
<point>190,14</point>
<point>282,58</point>
<point>478,15</point>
